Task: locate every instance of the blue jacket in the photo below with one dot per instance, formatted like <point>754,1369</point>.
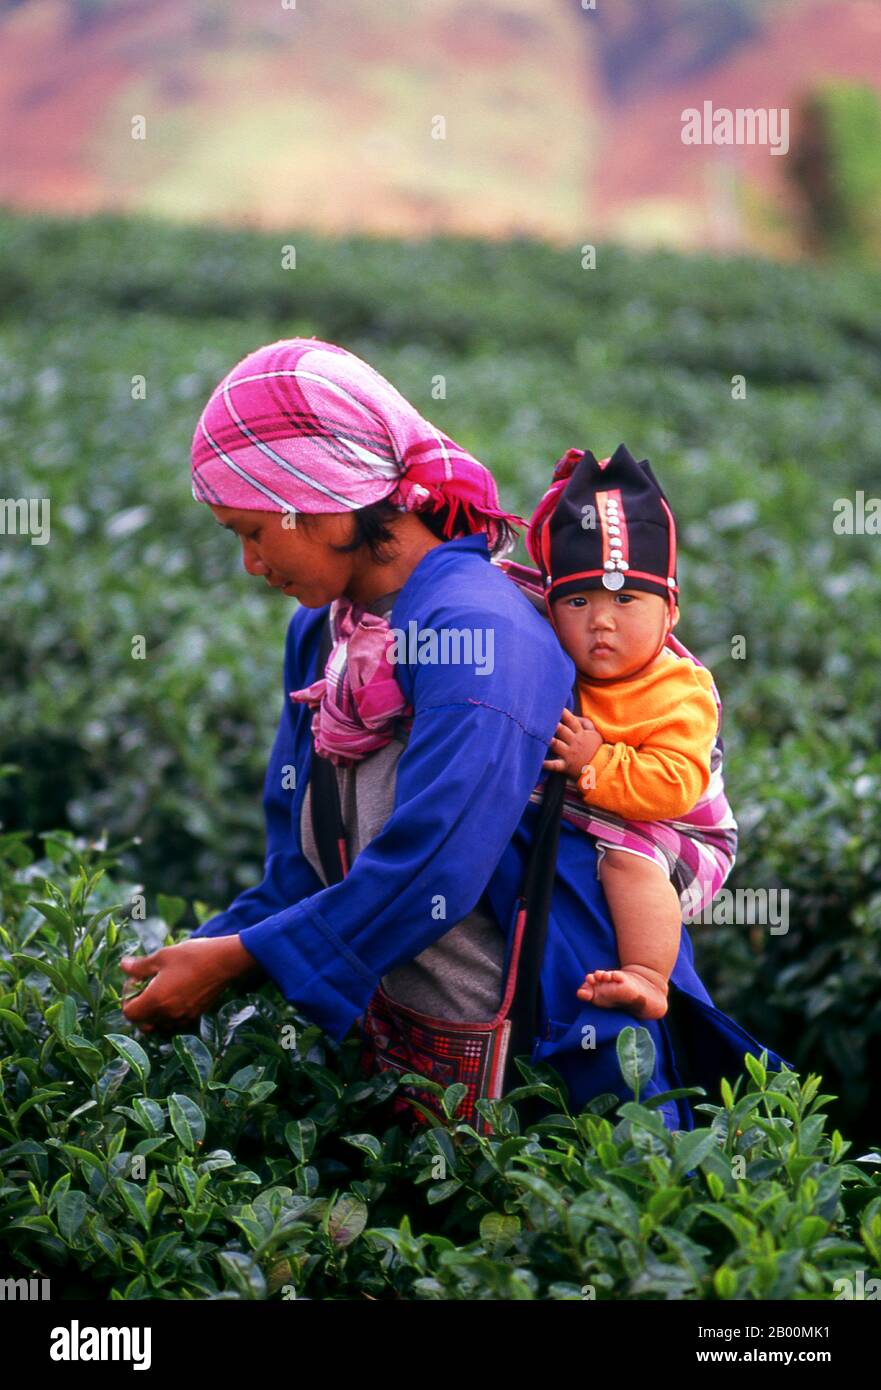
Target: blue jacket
<point>461,824</point>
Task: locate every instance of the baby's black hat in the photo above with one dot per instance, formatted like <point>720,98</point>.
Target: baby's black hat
<point>608,525</point>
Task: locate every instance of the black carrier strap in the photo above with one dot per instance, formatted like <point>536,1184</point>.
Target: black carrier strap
<point>538,890</point>
<point>327,817</point>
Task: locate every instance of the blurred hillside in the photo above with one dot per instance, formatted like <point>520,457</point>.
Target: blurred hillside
<point>561,122</point>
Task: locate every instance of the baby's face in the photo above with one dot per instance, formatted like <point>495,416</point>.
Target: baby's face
<point>610,635</point>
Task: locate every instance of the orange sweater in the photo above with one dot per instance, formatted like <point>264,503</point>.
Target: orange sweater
<point>659,730</point>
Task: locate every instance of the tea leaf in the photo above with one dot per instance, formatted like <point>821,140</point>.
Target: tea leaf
<point>62,1017</point>
<point>187,1120</point>
<point>56,915</point>
<point>52,972</point>
<point>498,1231</point>
<point>149,1113</point>
<point>756,1070</point>
<point>134,1198</point>
<point>691,1148</point>
<point>195,1056</point>
<point>131,1052</point>
<point>347,1220</point>
<point>453,1097</point>
<point>84,1156</point>
<point>636,1057</point>
<point>71,1213</point>
<point>244,1274</point>
<point>367,1142</point>
<point>86,1054</point>
<point>300,1136</point>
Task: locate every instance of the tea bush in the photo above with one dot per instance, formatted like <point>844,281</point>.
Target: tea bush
<point>253,1161</point>
<point>536,354</point>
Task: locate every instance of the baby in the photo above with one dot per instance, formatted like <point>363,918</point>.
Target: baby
<point>644,754</point>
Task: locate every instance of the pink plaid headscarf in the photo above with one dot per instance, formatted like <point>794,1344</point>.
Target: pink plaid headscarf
<point>304,425</point>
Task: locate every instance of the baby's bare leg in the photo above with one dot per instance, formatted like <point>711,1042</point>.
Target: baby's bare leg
<point>647,915</point>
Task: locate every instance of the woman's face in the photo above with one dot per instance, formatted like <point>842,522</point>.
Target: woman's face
<point>293,557</point>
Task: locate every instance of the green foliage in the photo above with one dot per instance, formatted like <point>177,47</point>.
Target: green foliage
<point>836,168</point>
<point>537,355</point>
<point>233,1166</point>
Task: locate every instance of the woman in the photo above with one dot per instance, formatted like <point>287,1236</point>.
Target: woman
<point>345,498</point>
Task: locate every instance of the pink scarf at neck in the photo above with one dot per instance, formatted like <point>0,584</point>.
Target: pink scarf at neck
<point>357,701</point>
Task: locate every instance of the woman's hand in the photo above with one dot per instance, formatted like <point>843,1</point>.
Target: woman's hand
<point>575,744</point>
<point>185,980</point>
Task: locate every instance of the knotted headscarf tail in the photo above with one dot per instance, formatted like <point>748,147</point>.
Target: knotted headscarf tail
<point>304,425</point>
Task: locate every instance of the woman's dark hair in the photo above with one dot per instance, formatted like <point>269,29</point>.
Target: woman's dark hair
<point>371,529</point>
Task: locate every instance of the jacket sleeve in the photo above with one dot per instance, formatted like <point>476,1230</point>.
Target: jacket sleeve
<point>474,754</point>
<point>667,774</point>
<point>287,874</point>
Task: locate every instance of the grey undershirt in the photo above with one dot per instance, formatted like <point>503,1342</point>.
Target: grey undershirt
<point>458,977</point>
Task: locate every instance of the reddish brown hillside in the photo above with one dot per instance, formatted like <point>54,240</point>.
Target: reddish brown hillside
<point>320,116</point>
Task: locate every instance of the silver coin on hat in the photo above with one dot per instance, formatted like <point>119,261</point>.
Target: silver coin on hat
<point>613,579</point>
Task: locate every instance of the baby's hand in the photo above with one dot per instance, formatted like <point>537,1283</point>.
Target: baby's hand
<point>575,743</point>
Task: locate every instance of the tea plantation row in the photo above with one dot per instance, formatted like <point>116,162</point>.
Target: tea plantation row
<point>253,1161</point>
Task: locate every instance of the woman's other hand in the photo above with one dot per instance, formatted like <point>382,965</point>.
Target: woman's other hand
<point>184,981</point>
<point>574,744</point>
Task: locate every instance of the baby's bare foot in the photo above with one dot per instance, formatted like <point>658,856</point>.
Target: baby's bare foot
<point>629,989</point>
